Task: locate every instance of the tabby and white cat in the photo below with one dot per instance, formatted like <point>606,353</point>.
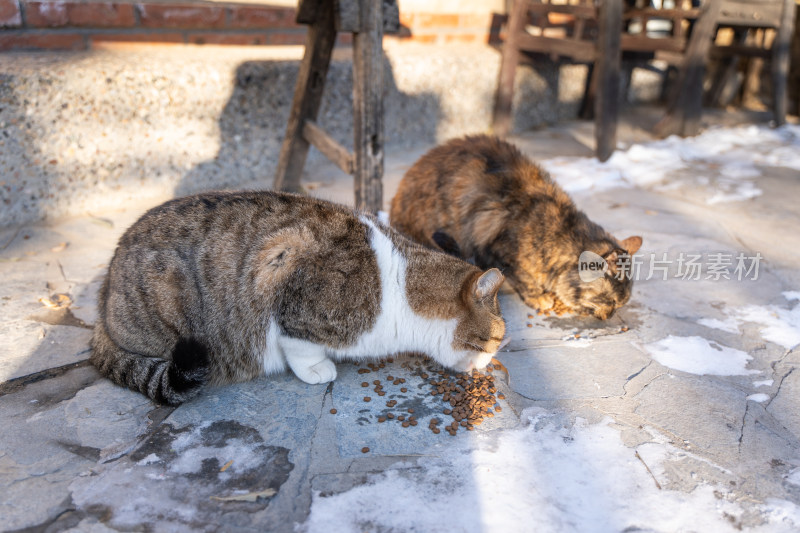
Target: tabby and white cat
<point>223,287</point>
<point>479,198</point>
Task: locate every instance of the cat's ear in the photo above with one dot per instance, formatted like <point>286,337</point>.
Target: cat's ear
<point>631,244</point>
<point>489,283</point>
<point>446,243</point>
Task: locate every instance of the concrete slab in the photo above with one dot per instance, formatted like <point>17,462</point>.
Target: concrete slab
<point>80,454</point>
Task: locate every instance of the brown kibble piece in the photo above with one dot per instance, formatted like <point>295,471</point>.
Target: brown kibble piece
<point>376,382</point>
<point>410,410</point>
<point>403,389</point>
<point>364,384</point>
<point>435,430</point>
<point>334,411</point>
<point>381,393</point>
<point>501,396</point>
<point>381,419</point>
<point>529,325</point>
<point>364,449</point>
<point>498,408</point>
<point>447,411</point>
<point>367,398</point>
<point>413,422</point>
<point>406,424</point>
<point>389,415</point>
<point>401,418</point>
<point>389,378</point>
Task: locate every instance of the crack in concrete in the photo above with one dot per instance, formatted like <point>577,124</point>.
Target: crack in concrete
<point>741,430</point>
<point>658,485</point>
<point>16,384</point>
<point>780,384</point>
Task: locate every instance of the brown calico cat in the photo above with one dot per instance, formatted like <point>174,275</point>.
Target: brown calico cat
<point>223,287</point>
<point>478,197</point>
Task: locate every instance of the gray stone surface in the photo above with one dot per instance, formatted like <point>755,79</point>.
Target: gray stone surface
<point>80,454</point>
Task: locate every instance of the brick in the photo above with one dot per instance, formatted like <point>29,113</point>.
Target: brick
<point>406,18</point>
<point>46,14</point>
<point>475,20</point>
<point>435,20</point>
<point>464,38</point>
<point>10,16</point>
<point>263,17</point>
<point>424,38</point>
<point>286,38</point>
<point>28,41</point>
<point>141,37</point>
<point>344,39</point>
<point>239,39</point>
<point>101,15</point>
<point>190,17</point>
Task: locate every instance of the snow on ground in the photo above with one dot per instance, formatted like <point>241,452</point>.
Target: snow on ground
<point>779,325</point>
<point>541,477</point>
<point>700,356</point>
<point>723,159</point>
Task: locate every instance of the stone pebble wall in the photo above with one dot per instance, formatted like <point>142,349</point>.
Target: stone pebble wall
<point>59,25</point>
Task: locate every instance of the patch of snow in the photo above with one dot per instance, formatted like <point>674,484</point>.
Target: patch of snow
<point>759,397</point>
<point>791,295</point>
<point>794,477</point>
<point>152,458</point>
<point>763,383</point>
<point>781,326</point>
<point>731,325</point>
<point>697,355</point>
<point>726,157</point>
<point>191,460</point>
<point>542,477</point>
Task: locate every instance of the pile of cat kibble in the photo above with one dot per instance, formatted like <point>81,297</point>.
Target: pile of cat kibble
<point>467,397</point>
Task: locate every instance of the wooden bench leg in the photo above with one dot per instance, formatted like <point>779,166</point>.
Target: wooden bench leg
<point>504,97</point>
<point>607,67</point>
<point>368,108</point>
<point>308,91</point>
<point>685,105</point>
<point>780,61</point>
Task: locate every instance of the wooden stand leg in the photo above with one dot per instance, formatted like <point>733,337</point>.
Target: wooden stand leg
<point>686,102</point>
<point>368,108</point>
<point>780,61</point>
<point>504,97</point>
<point>607,68</point>
<point>307,98</point>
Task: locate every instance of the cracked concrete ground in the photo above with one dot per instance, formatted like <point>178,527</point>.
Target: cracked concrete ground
<point>80,454</point>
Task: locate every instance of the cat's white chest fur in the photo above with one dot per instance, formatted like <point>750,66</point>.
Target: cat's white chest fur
<point>396,329</point>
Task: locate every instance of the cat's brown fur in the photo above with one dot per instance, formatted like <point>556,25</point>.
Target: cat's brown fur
<point>479,198</point>
<point>198,287</point>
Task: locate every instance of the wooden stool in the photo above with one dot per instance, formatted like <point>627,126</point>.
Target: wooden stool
<point>366,20</point>
<point>597,33</point>
<point>750,20</point>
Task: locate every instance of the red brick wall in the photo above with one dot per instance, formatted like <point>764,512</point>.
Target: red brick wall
<point>27,25</point>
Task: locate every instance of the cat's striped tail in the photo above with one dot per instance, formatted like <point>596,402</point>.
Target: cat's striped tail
<point>165,381</point>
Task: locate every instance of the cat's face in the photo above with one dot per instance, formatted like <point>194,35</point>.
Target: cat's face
<point>602,296</point>
<point>481,330</point>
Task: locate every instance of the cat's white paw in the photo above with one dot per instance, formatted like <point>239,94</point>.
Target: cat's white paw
<point>321,372</point>
<point>474,362</point>
<point>325,370</point>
